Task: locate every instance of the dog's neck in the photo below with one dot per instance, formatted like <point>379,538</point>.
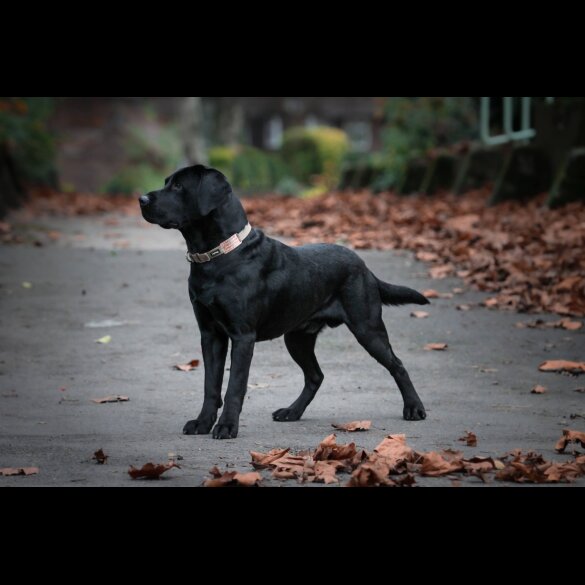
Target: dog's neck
<point>222,223</point>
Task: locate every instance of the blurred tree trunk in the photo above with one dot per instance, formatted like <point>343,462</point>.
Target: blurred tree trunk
<point>191,128</point>
<point>230,121</point>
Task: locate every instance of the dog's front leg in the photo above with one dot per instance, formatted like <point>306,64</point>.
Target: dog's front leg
<point>214,345</point>
<point>242,352</point>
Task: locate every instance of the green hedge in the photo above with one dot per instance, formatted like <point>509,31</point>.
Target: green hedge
<point>315,155</point>
<point>249,169</point>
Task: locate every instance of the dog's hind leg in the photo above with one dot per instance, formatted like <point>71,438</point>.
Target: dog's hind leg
<point>301,347</point>
<point>363,309</point>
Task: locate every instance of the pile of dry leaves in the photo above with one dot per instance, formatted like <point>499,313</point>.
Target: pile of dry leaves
<point>394,463</point>
<point>532,257</point>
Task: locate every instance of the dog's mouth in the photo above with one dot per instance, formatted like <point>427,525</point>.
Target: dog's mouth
<point>170,225</point>
<point>167,225</point>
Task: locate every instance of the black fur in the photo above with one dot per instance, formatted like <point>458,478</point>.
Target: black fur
<point>265,289</point>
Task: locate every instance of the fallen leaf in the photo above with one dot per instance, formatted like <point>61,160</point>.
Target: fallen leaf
<point>419,314</point>
<point>470,439</point>
<point>108,399</point>
<point>104,340</point>
<point>328,449</point>
<point>371,474</point>
<point>431,294</point>
<point>264,460</point>
<point>434,465</point>
<point>538,389</point>
<point>100,457</point>
<point>8,471</point>
<point>464,308</point>
<point>562,366</point>
<point>188,366</point>
<point>232,479</point>
<point>569,436</point>
<point>151,470</point>
<point>436,346</point>
<point>26,285</point>
<point>441,272</point>
<point>326,471</point>
<point>580,390</point>
<point>567,324</point>
<point>352,427</point>
<point>395,453</point>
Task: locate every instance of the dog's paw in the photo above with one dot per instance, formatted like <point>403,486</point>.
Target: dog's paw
<point>225,431</point>
<point>414,412</point>
<point>286,415</point>
<point>198,427</point>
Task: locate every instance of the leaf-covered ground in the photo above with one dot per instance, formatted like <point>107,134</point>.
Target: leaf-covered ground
<point>531,258</point>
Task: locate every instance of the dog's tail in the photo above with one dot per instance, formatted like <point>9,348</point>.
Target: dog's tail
<point>392,294</point>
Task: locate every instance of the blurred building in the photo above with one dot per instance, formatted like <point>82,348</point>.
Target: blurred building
<point>266,118</point>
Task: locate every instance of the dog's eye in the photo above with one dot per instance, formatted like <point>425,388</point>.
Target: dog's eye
<point>176,186</point>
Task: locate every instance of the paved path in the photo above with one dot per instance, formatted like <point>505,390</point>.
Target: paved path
<point>124,270</point>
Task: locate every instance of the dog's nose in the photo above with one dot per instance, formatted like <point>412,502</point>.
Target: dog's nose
<point>144,200</point>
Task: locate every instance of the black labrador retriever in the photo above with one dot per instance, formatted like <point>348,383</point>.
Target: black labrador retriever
<point>247,287</point>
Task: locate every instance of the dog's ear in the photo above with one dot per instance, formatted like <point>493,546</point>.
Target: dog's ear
<point>213,192</point>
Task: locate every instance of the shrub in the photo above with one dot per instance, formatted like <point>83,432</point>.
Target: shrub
<point>24,131</point>
<point>417,124</point>
<point>222,158</point>
<point>249,169</point>
<point>315,155</point>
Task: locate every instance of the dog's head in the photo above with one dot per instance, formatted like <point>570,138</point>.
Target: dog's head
<point>188,195</point>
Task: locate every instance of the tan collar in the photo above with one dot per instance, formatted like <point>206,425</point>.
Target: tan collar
<point>224,248</point>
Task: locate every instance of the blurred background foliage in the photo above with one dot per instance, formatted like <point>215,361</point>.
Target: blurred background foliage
<point>26,137</point>
<point>293,146</point>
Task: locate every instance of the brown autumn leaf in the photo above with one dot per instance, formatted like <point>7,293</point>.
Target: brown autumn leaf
<point>394,451</point>
<point>329,450</point>
<point>569,436</point>
<point>562,366</point>
<point>192,365</point>
<point>436,346</point>
<point>110,399</point>
<point>419,314</point>
<point>264,460</point>
<point>371,474</point>
<point>470,439</point>
<point>8,471</point>
<point>326,471</point>
<point>567,324</point>
<point>151,470</point>
<point>431,294</point>
<point>538,389</point>
<point>100,457</point>
<point>441,272</point>
<point>434,465</point>
<point>232,479</point>
<point>353,427</point>
<point>463,308</point>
